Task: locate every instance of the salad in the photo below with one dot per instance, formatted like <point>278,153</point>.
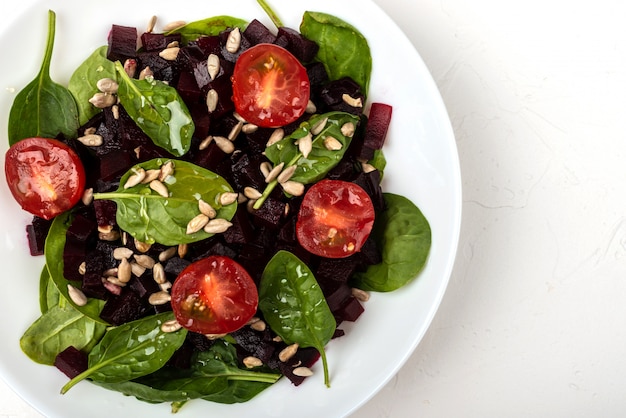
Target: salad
<point>274,203</point>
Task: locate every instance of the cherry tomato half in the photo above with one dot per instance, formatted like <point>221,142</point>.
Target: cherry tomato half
<point>45,176</point>
<point>270,86</point>
<point>335,219</point>
<point>214,295</point>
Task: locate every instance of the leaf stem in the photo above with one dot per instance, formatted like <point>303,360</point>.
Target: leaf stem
<point>47,58</point>
<point>272,15</point>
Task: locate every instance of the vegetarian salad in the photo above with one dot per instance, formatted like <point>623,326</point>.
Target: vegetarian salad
<point>208,204</point>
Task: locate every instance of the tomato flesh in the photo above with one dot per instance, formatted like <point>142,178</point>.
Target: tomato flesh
<point>45,176</point>
<point>335,219</point>
<point>270,86</point>
<point>214,295</point>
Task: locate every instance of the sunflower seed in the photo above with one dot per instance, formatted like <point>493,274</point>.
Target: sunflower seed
<point>224,144</point>
<point>174,25</point>
<point>146,73</point>
<point>170,326</point>
<point>348,129</point>
<point>76,295</point>
<point>351,101</point>
<point>159,298</point>
<point>319,126</point>
<point>212,100</point>
<point>137,269</point>
<point>142,247</point>
<point>144,260</point>
<point>251,193</point>
<point>251,362</point>
<point>121,253</point>
<point>234,41</point>
<point>116,111</point>
<point>107,85</point>
<point>266,167</point>
<point>158,273</point>
<point>167,254</point>
<point>213,64</point>
<point>151,24</point>
<point>288,352</point>
<point>92,140</point>
<point>124,271</point>
<point>197,223</point>
<point>103,100</point>
<point>173,44</point>
<point>170,54</point>
<point>160,188</point>
<point>232,135</point>
<point>274,172</point>
<point>167,170</point>
<point>294,188</point>
<point>302,371</point>
<point>277,135</point>
<point>305,145</point>
<point>130,67</point>
<point>332,144</point>
<point>217,226</point>
<point>228,198</point>
<point>152,174</point>
<point>182,250</point>
<point>90,131</point>
<point>258,325</point>
<point>82,268</point>
<point>367,168</point>
<point>206,209</point>
<point>214,336</point>
<point>136,178</point>
<point>286,174</point>
<point>165,286</point>
<point>360,295</point>
<point>109,236</point>
<point>310,107</point>
<point>87,197</point>
<point>115,281</point>
<point>249,128</point>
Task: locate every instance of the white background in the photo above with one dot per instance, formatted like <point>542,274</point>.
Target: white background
<point>534,319</point>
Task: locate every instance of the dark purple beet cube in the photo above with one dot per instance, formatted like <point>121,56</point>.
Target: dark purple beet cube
<point>256,343</point>
<point>158,41</point>
<point>336,294</point>
<point>174,266</point>
<point>122,43</point>
<point>305,357</point>
<point>377,125</point>
<point>350,311</point>
<point>246,172</point>
<point>124,308</point>
<point>332,95</point>
<point>370,182</point>
<point>71,362</point>
<point>335,269</point>
<point>301,47</point>
<point>257,33</point>
<point>82,229</point>
<point>271,213</point>
<point>188,88</point>
<point>74,253</point>
<point>230,56</point>
<point>210,157</point>
<point>36,232</point>
<point>209,45</point>
<point>106,211</point>
<point>242,230</point>
<point>162,69</point>
<point>144,286</point>
<point>114,164</point>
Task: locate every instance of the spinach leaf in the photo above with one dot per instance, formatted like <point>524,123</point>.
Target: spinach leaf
<point>83,81</point>
<point>131,350</point>
<point>403,234</point>
<point>150,217</point>
<point>53,250</point>
<point>294,306</point>
<point>158,110</point>
<point>344,51</point>
<point>60,327</point>
<point>49,295</point>
<point>208,27</point>
<point>31,113</point>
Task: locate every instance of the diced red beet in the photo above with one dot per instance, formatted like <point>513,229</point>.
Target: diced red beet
<point>114,164</point>
<point>377,125</point>
<point>209,45</point>
<point>174,266</point>
<point>105,212</point>
<point>200,341</point>
<point>336,269</point>
<point>122,43</point>
<point>243,45</point>
<point>158,41</point>
<point>242,230</point>
<point>370,182</point>
<point>36,232</point>
<point>74,254</point>
<point>332,95</point>
<point>256,343</point>
<point>162,69</point>
<point>124,308</point>
<point>257,33</point>
<point>246,172</point>
<point>271,213</point>
<point>253,258</point>
<point>210,246</point>
<point>81,229</point>
<point>370,253</point>
<point>305,357</point>
<point>144,286</point>
<point>336,294</point>
<point>188,88</point>
<point>350,311</point>
<point>293,41</point>
<point>71,362</point>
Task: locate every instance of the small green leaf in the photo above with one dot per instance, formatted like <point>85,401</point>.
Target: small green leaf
<point>294,306</point>
<point>344,51</point>
<point>158,110</point>
<point>151,218</point>
<point>31,114</point>
<point>403,234</point>
<point>83,81</point>
<point>131,350</point>
<point>208,27</point>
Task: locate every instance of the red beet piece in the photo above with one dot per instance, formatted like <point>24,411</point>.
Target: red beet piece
<point>350,311</point>
<point>293,41</point>
<point>36,232</point>
<point>377,125</point>
<point>257,33</point>
<point>71,362</point>
<point>122,43</point>
<point>124,308</point>
<point>157,41</point>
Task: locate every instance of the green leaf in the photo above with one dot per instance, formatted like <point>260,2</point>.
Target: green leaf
<point>83,81</point>
<point>208,27</point>
<point>31,114</point>
<point>158,110</point>
<point>403,234</point>
<point>344,51</point>
<point>131,350</point>
<point>53,250</point>
<point>49,295</point>
<point>294,306</point>
<point>151,218</point>
<point>57,329</point>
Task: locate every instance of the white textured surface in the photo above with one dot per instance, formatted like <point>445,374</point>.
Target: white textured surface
<point>534,319</point>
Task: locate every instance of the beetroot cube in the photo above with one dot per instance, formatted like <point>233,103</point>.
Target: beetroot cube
<point>377,125</point>
<point>157,41</point>
<point>257,33</point>
<point>71,362</point>
<point>122,43</point>
<point>37,231</point>
<point>350,311</point>
<point>293,41</point>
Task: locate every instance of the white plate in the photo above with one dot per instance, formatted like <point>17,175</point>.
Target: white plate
<point>423,165</point>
